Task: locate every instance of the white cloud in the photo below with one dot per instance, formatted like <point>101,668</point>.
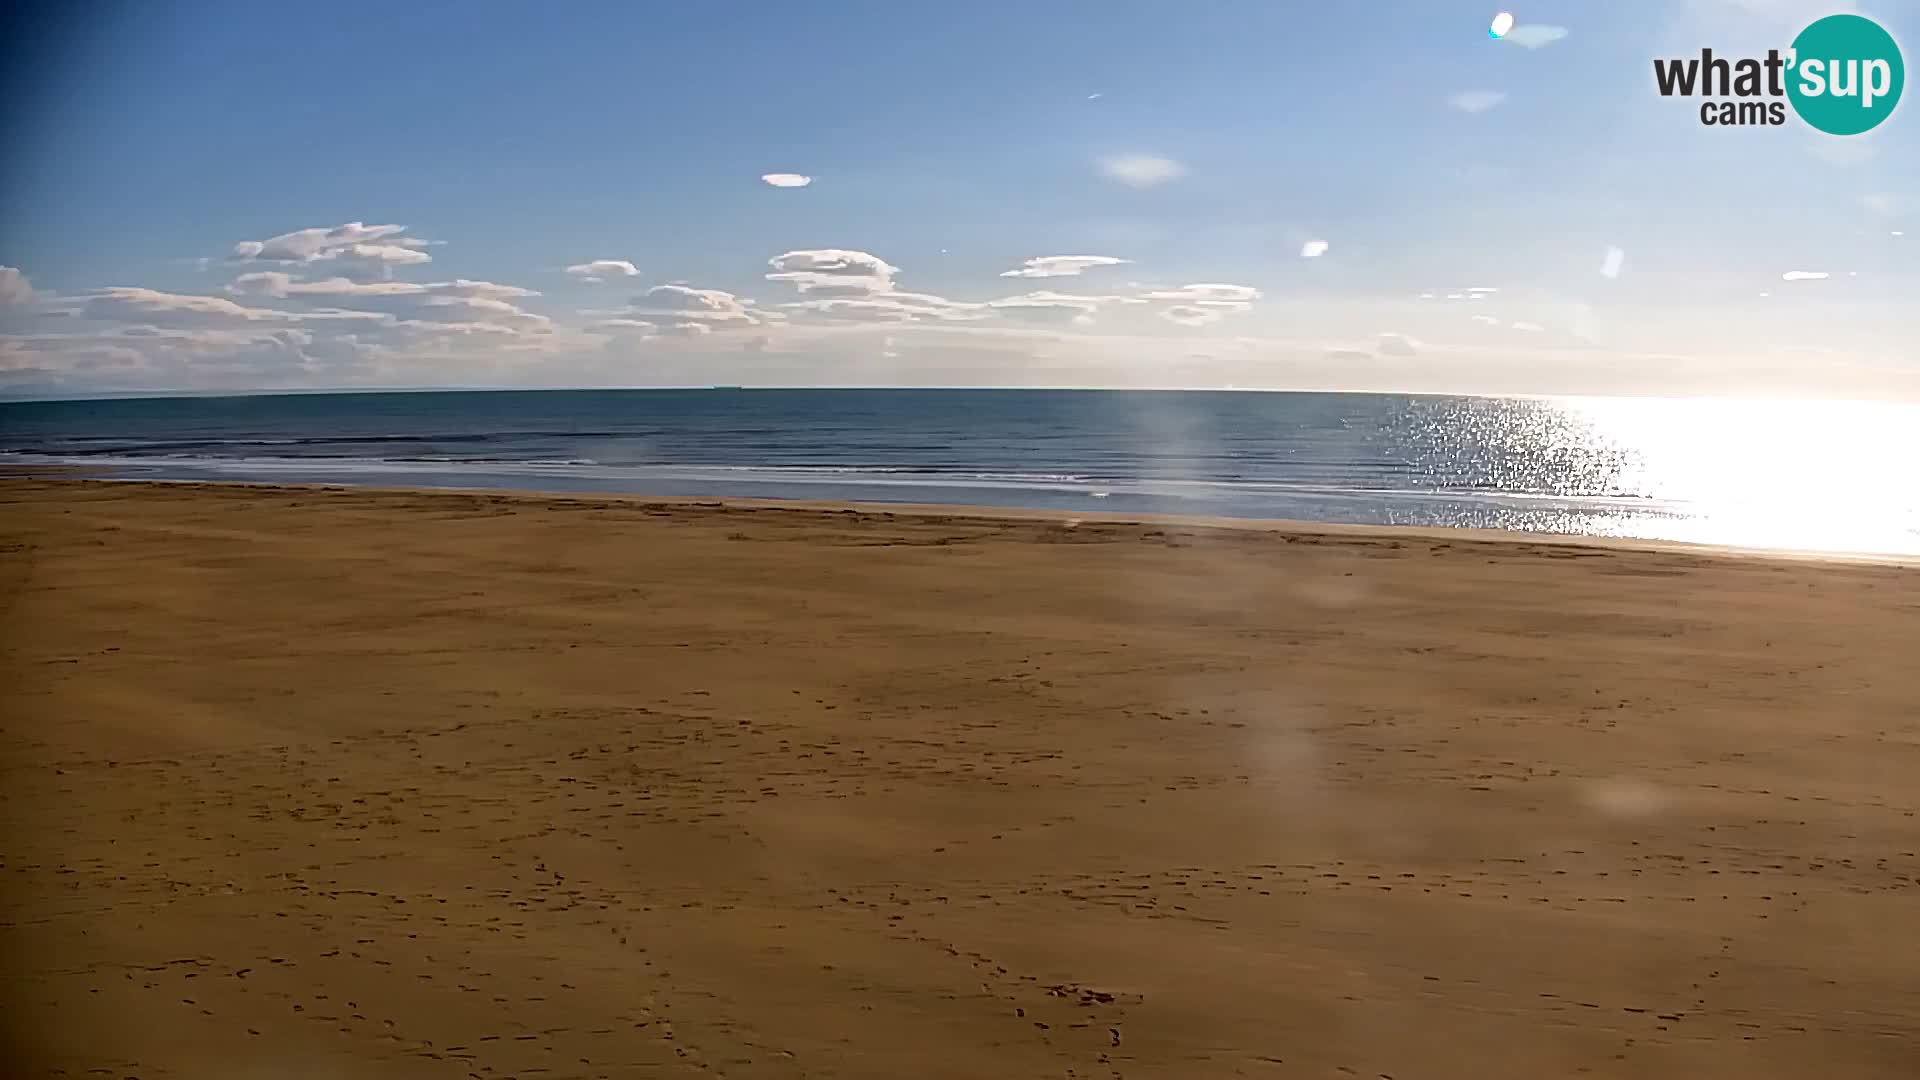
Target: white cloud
<point>1140,170</point>
<point>690,329</point>
<point>891,307</point>
<point>710,308</point>
<point>1207,292</point>
<point>476,309</point>
<point>1805,275</point>
<point>1529,327</point>
<point>625,327</point>
<point>379,258</point>
<point>1313,249</point>
<point>357,245</point>
<point>1476,101</point>
<point>14,287</point>
<point>832,271</point>
<point>685,298</point>
<point>279,284</point>
<point>483,307</point>
<point>149,306</point>
<point>489,289</point>
<point>1193,314</point>
<point>1046,266</point>
<point>308,245</point>
<point>1613,262</point>
<point>1396,345</point>
<point>1053,307</point>
<point>1534,35</point>
<point>1487,319</point>
<point>600,270</point>
<point>786,180</point>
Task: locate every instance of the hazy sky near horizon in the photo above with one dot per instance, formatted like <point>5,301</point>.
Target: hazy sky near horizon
<point>218,196</point>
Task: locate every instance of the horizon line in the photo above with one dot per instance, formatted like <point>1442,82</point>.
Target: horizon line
<point>191,395</point>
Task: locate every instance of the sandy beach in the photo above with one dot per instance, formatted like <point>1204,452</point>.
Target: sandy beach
<point>307,783</point>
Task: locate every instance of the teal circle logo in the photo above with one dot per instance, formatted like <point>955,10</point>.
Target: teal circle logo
<point>1846,74</point>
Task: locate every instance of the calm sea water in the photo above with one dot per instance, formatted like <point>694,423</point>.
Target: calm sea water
<point>1824,476</point>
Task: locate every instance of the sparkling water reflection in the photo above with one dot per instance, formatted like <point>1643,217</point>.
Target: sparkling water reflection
<point>1823,476</point>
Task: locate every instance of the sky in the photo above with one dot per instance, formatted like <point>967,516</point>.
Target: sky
<point>223,197</point>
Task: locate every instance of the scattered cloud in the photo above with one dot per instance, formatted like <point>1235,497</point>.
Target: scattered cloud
<point>1046,266</point>
<point>1486,319</point>
<point>786,180</point>
<point>600,270</point>
<point>1238,294</point>
<point>355,246</point>
<point>1396,345</point>
<point>1534,35</point>
<point>1193,314</point>
<point>152,307</point>
<point>1476,101</point>
<point>1613,262</point>
<point>625,327</point>
<point>279,284</point>
<point>475,309</point>
<point>308,245</point>
<point>1805,275</point>
<point>15,289</point>
<point>1313,249</point>
<point>1528,327</point>
<point>379,258</point>
<point>709,308</point>
<point>900,307</point>
<point>1046,306</point>
<point>832,271</point>
<point>1140,170</point>
<point>483,307</point>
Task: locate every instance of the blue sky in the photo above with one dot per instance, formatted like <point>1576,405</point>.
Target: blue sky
<point>1194,149</point>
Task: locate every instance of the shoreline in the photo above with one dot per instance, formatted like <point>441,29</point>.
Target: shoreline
<point>965,512</point>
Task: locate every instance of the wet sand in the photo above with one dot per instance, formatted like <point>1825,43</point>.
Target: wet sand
<point>305,783</point>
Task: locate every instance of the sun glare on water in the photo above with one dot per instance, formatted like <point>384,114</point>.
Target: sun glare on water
<point>1829,476</point>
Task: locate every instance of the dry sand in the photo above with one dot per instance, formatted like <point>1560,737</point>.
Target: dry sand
<point>302,783</point>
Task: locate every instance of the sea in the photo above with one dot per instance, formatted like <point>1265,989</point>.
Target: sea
<point>1816,476</point>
